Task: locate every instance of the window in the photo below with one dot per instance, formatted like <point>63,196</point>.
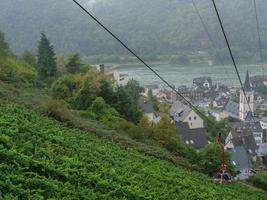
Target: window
<point>187,142</point>
<point>190,118</point>
<point>191,124</point>
<point>234,163</point>
<point>192,142</point>
<point>195,118</point>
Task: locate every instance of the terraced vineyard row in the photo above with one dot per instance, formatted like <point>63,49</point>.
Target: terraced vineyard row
<point>42,159</point>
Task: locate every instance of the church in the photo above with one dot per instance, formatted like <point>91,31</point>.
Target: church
<point>246,102</point>
<point>246,107</point>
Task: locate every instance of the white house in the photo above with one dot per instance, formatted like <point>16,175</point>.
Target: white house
<point>120,79</point>
<point>182,113</point>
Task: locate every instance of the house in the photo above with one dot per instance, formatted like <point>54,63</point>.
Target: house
<point>180,112</point>
<point>243,138</point>
<point>147,108</point>
<point>120,79</point>
<point>202,82</point>
<point>255,127</point>
<point>220,102</point>
<point>171,96</point>
<point>263,123</point>
<point>232,109</point>
<point>195,138</point>
<point>258,80</point>
<point>155,89</point>
<point>241,160</point>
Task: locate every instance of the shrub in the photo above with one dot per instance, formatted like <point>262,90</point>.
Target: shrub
<point>260,180</point>
<point>57,110</point>
<point>12,70</point>
<point>64,86</point>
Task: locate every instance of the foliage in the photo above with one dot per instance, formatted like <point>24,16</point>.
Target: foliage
<point>214,127</point>
<point>127,101</point>
<point>74,64</point>
<point>46,58</point>
<point>58,110</point>
<point>88,91</point>
<point>64,86</point>
<point>210,159</point>
<point>104,111</point>
<point>30,58</point>
<point>41,159</point>
<point>17,71</point>
<point>259,180</point>
<point>5,50</point>
<point>165,134</point>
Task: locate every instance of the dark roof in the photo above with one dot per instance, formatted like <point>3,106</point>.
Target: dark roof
<point>145,105</point>
<point>232,108</point>
<point>247,85</point>
<point>193,137</point>
<point>222,101</point>
<point>240,158</point>
<point>246,125</point>
<point>199,81</point>
<point>179,111</point>
<point>246,139</point>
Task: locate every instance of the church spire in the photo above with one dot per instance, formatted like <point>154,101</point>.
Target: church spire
<point>247,85</point>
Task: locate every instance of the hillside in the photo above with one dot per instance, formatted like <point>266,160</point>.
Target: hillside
<point>42,159</point>
<point>150,27</point>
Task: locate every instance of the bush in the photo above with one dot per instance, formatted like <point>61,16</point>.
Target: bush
<point>12,70</point>
<point>64,86</point>
<point>260,180</point>
<point>57,110</point>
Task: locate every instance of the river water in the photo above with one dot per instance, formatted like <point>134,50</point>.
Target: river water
<point>183,75</point>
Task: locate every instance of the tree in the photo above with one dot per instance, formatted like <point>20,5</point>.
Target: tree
<point>89,90</point>
<point>5,50</point>
<point>210,161</point>
<point>46,58</point>
<point>107,91</point>
<point>166,135</point>
<point>74,64</point>
<point>64,86</point>
<point>145,124</point>
<point>127,104</point>
<point>29,58</point>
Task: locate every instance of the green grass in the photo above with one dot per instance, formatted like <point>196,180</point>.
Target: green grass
<point>43,159</point>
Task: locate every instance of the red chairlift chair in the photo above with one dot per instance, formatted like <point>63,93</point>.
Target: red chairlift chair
<point>222,176</point>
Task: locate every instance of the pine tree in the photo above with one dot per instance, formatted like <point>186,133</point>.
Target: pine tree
<point>73,66</point>
<point>5,50</point>
<point>46,58</point>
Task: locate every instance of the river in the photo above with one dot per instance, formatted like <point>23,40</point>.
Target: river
<point>183,75</point>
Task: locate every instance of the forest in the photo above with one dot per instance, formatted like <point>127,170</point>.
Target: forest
<point>154,29</point>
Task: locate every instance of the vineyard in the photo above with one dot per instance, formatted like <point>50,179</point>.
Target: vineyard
<point>43,159</point>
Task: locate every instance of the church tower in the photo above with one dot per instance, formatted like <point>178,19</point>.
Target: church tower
<point>246,104</point>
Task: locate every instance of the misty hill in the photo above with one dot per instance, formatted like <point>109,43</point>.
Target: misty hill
<point>150,27</point>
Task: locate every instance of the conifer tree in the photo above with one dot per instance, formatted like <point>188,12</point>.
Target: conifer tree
<point>5,50</point>
<point>46,58</point>
<point>73,66</point>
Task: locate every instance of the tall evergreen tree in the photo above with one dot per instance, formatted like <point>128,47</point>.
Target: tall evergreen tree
<point>74,64</point>
<point>5,50</point>
<point>46,58</point>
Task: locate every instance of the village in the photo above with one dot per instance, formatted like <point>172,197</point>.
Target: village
<point>246,139</point>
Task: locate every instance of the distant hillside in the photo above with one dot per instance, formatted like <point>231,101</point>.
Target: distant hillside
<point>42,159</point>
<point>150,27</point>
